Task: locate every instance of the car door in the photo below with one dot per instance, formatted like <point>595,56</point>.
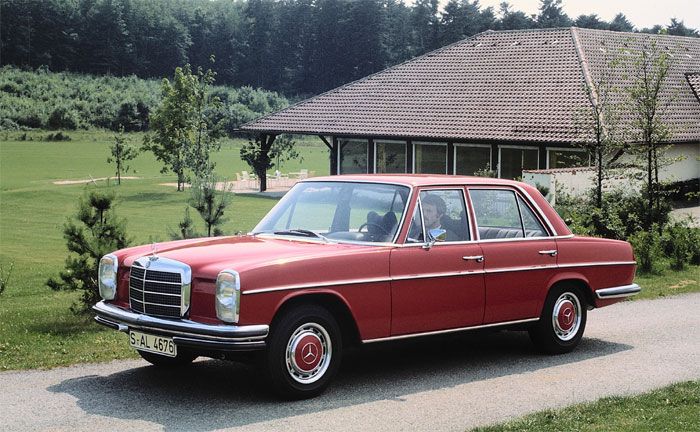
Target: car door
<point>441,286</point>
<point>519,255</point>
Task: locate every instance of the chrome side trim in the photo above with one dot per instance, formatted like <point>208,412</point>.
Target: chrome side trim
<point>618,291</point>
<point>425,276</point>
<point>119,318</point>
<point>519,269</point>
<point>406,336</point>
<point>598,264</point>
<point>516,239</point>
<point>361,281</point>
<point>316,285</point>
<point>439,275</point>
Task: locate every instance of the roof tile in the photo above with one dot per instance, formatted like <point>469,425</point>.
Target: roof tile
<point>506,85</point>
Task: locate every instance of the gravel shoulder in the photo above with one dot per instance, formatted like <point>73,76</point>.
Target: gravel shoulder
<point>449,383</point>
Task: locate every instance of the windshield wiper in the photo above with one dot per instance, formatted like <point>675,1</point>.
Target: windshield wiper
<point>301,232</point>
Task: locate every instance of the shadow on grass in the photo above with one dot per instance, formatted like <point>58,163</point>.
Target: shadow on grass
<point>147,197</point>
<point>213,394</point>
<point>65,326</point>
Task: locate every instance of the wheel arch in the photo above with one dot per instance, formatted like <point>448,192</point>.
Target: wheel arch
<point>329,300</point>
<point>571,279</point>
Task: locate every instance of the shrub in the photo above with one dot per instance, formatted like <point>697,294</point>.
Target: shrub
<point>29,120</point>
<point>62,118</point>
<point>133,117</point>
<point>621,216</point>
<point>647,249</point>
<point>681,243</point>
<point>7,124</point>
<point>58,136</point>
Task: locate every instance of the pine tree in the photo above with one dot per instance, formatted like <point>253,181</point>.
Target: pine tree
<point>93,232</point>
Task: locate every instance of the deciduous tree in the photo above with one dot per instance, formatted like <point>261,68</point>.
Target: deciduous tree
<point>263,151</point>
<point>602,121</point>
<point>183,135</point>
<point>121,153</point>
<point>649,99</point>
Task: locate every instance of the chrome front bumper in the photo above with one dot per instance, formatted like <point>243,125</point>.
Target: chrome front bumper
<point>185,333</point>
<point>618,291</point>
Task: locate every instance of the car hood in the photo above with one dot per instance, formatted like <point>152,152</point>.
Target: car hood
<point>207,257</point>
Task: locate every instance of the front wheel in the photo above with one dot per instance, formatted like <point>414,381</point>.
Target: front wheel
<point>303,352</point>
<point>562,322</point>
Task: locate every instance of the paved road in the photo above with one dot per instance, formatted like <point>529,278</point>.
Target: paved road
<point>445,384</point>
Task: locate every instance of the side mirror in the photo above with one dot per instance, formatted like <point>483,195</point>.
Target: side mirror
<point>436,234</point>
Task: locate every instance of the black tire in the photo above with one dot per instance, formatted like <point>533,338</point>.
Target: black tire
<point>161,361</point>
<point>303,352</point>
<point>562,322</point>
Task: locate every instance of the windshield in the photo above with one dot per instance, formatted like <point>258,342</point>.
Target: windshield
<point>365,212</point>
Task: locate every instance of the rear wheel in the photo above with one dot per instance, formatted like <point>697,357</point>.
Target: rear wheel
<point>562,322</point>
<point>303,352</point>
<point>182,359</point>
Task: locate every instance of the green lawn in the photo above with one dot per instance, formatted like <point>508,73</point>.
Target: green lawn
<point>672,408</point>
<point>36,326</point>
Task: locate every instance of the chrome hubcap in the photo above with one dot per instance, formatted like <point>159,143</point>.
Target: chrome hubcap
<point>566,316</point>
<point>308,353</point>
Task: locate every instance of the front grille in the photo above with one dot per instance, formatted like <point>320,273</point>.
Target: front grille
<point>155,292</point>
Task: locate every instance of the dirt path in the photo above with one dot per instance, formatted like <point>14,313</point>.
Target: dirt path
<point>436,384</point>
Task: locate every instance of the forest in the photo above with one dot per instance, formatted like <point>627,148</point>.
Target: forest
<point>296,47</point>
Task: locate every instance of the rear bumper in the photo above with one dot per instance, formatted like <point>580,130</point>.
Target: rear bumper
<point>185,333</point>
<point>618,292</point>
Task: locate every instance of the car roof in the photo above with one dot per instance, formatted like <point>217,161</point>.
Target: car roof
<point>415,180</point>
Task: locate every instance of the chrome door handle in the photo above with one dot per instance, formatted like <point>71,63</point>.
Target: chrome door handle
<point>548,252</point>
<point>477,258</point>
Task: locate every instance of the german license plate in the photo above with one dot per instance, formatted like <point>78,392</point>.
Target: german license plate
<point>152,343</point>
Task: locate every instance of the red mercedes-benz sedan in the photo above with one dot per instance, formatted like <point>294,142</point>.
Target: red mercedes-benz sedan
<point>359,259</point>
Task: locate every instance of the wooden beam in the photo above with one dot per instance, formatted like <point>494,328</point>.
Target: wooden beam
<point>325,141</point>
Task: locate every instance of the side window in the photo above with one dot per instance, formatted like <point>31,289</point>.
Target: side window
<point>533,227</point>
<point>497,213</point>
<point>445,209</point>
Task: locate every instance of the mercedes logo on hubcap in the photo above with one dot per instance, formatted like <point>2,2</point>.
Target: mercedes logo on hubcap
<point>309,353</point>
<point>568,316</point>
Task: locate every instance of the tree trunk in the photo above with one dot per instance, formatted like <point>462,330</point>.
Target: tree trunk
<point>599,186</point>
<point>650,192</point>
<point>263,181</point>
<point>180,182</point>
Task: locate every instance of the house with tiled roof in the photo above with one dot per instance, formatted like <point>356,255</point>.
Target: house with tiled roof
<point>505,101</point>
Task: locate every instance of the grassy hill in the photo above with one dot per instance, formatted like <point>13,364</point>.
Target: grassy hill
<point>42,99</point>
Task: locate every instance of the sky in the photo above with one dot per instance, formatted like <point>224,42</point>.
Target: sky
<point>642,13</point>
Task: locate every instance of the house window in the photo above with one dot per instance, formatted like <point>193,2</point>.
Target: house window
<point>567,158</point>
<point>471,158</point>
<point>430,158</point>
<point>353,156</point>
<point>390,157</point>
<point>513,160</point>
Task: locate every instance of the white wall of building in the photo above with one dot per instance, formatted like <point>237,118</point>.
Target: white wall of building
<point>578,181</point>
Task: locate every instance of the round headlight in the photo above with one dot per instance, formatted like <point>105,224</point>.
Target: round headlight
<point>107,276</point>
<point>228,296</point>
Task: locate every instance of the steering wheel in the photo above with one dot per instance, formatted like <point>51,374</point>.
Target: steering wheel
<point>368,224</point>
